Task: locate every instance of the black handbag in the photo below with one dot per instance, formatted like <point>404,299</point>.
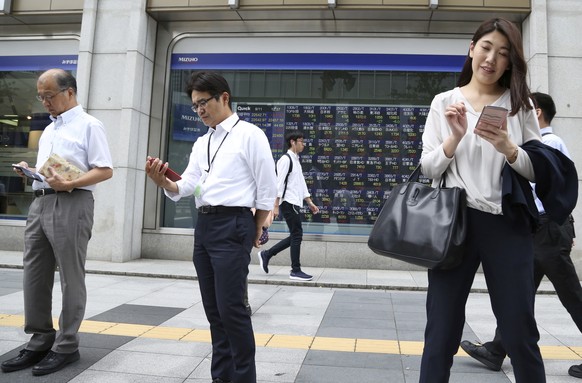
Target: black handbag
<point>422,225</point>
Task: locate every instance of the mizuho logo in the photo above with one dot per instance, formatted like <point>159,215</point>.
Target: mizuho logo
<point>188,59</point>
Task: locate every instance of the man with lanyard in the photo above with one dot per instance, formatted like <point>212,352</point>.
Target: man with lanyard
<point>58,228</point>
<point>230,171</point>
<point>552,246</point>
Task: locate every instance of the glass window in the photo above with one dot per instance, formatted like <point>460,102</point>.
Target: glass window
<point>362,132</point>
<point>22,120</point>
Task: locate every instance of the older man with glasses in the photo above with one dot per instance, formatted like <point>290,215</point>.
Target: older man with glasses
<point>59,224</point>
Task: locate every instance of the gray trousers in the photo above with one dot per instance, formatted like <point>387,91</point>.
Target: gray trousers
<point>57,232</point>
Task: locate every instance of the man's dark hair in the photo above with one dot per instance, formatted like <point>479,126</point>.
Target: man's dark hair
<point>65,80</point>
<point>210,82</point>
<point>546,104</point>
<point>292,135</point>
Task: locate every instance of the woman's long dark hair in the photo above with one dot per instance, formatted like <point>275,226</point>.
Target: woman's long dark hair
<point>514,76</point>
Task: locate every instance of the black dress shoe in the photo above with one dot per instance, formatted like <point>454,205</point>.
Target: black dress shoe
<point>25,359</point>
<point>576,371</point>
<point>53,362</point>
<point>218,380</point>
<point>480,353</point>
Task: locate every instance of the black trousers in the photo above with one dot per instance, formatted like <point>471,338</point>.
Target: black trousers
<point>293,218</point>
<point>506,253</point>
<point>222,247</point>
<point>552,247</point>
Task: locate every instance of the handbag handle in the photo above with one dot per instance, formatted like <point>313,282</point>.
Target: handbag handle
<point>416,174</point>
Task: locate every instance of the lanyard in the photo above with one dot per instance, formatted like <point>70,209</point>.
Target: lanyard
<point>210,162</point>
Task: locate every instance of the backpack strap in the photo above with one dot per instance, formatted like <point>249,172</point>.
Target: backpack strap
<point>287,176</point>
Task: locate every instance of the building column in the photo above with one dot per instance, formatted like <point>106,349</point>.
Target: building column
<point>535,45</point>
<point>115,70</point>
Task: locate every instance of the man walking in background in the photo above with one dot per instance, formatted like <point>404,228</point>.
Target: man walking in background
<point>291,192</point>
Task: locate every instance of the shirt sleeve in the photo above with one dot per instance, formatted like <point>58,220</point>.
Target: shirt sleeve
<point>98,154</point>
<point>433,159</point>
<point>191,175</point>
<point>530,131</point>
<point>263,170</point>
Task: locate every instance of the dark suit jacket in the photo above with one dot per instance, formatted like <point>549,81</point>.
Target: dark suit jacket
<point>556,186</point>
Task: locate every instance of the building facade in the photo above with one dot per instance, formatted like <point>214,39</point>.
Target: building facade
<point>356,76</point>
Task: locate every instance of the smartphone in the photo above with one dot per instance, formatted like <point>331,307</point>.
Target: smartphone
<point>172,175</point>
<point>493,115</point>
<point>28,173</point>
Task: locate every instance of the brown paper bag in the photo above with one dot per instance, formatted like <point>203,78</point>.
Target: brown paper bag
<point>63,167</point>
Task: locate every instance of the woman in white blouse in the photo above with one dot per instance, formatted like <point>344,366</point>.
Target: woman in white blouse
<point>472,156</point>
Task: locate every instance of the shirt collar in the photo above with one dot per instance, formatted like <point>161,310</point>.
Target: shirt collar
<point>68,115</point>
<point>547,129</point>
<point>229,123</point>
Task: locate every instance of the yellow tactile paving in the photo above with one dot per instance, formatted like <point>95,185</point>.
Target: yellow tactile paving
<point>174,333</point>
<point>377,346</point>
<point>127,329</point>
<point>278,340</point>
<point>95,327</point>
<point>558,352</point>
<point>198,336</point>
<point>290,341</point>
<point>577,350</point>
<point>12,321</point>
<point>261,340</point>
<point>411,348</point>
<point>333,344</point>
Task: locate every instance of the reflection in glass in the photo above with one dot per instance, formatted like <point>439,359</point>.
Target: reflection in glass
<point>362,133</point>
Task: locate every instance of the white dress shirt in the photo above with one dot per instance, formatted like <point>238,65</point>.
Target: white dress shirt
<point>77,137</point>
<point>476,166</point>
<point>238,170</point>
<point>296,187</point>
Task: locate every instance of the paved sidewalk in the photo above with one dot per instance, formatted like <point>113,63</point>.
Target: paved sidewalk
<point>145,323</point>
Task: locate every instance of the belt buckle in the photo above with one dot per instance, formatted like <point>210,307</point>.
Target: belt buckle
<point>204,210</point>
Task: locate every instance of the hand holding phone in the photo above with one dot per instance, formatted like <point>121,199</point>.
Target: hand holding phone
<point>493,115</point>
<point>172,175</point>
<point>28,173</point>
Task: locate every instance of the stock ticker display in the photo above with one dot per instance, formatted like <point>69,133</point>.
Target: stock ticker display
<point>354,155</point>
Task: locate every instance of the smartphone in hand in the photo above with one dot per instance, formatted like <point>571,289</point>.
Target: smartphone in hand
<point>28,173</point>
<point>493,115</point>
<point>172,175</point>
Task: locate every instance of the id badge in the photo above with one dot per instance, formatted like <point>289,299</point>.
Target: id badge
<point>200,188</point>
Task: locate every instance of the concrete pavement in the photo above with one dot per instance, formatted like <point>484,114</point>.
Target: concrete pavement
<point>145,323</point>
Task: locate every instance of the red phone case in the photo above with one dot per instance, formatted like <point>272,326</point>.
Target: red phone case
<point>172,175</point>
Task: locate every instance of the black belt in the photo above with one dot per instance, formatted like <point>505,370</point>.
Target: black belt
<point>222,209</point>
<point>47,191</point>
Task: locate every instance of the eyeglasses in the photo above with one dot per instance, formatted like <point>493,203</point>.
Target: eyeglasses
<point>201,104</point>
<point>48,98</point>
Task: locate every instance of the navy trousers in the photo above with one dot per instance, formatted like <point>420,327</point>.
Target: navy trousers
<point>506,253</point>
<point>552,247</point>
<point>222,247</point>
